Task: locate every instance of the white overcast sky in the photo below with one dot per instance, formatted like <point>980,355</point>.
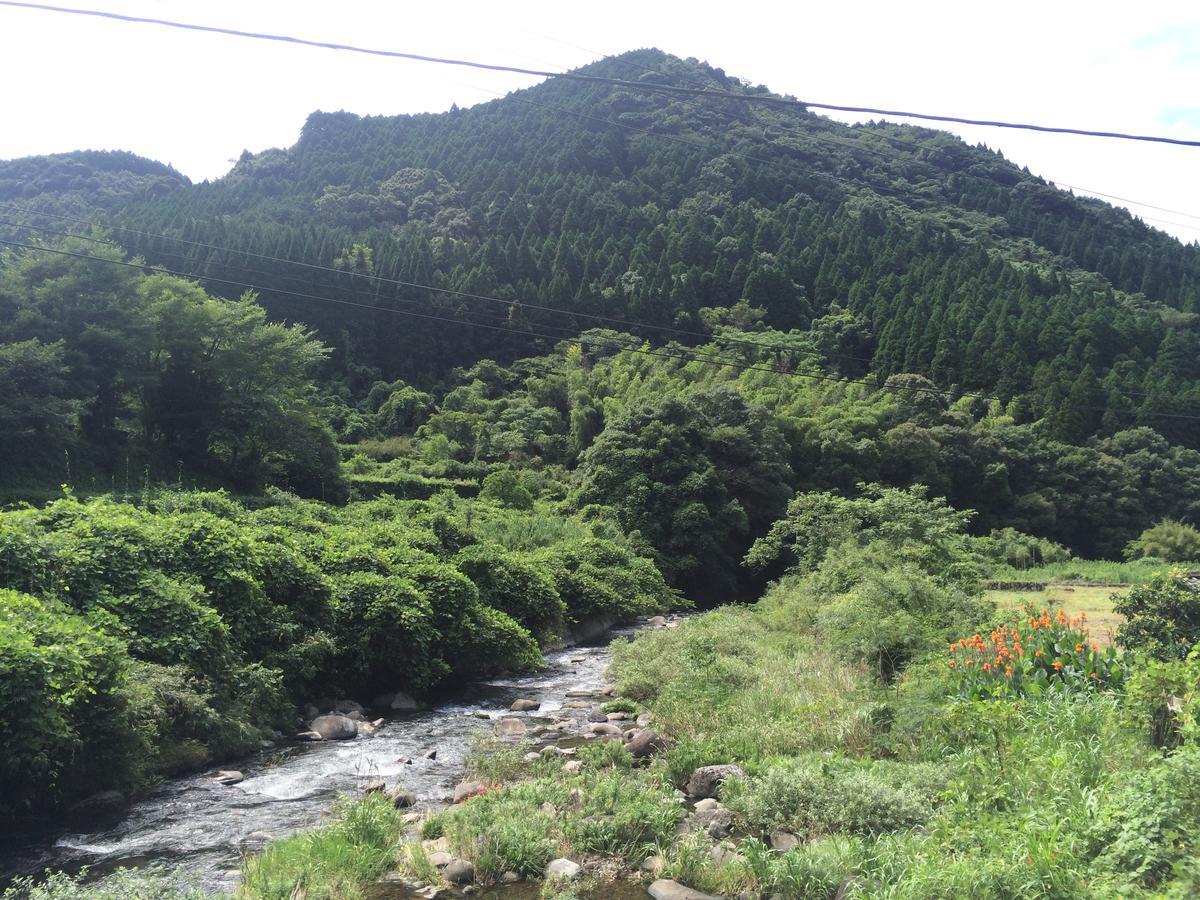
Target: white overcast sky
<point>197,100</point>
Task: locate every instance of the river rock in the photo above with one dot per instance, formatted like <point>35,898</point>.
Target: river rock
<point>432,754</point>
<point>706,804</point>
<point>562,869</point>
<point>603,728</point>
<point>582,693</point>
<point>573,766</point>
<point>597,716</point>
<point>706,781</point>
<point>653,864</point>
<point>347,707</point>
<point>616,716</point>
<point>783,841</point>
<point>532,756</point>
<point>510,727</point>
<point>666,889</point>
<point>402,702</point>
<point>657,621</point>
<point>722,855</point>
<point>334,727</point>
<point>465,789</point>
<point>525,705</point>
<point>645,719</point>
<point>310,712</point>
<point>459,872</point>
<point>645,743</point>
<point>509,878</point>
<point>440,859</point>
<point>228,776</point>
<point>577,704</point>
<point>103,800</point>
<point>716,823</point>
<point>255,840</point>
<point>401,797</point>
<point>308,736</point>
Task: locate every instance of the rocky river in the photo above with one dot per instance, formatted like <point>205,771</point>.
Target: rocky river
<point>198,827</point>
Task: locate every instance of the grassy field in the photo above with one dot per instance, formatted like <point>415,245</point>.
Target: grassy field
<point>1094,600</point>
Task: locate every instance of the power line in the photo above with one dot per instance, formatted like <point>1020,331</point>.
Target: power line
<point>598,79</point>
<point>746,367</point>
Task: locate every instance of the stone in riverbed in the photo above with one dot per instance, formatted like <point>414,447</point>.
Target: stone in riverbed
<point>308,736</point>
<point>665,889</point>
<point>510,878</point>
<point>573,766</point>
<point>255,840</point>
<point>603,728</point>
<point>645,743</point>
<point>459,872</point>
<point>334,727</point>
<point>228,776</point>
<point>657,621</point>
<point>706,804</point>
<point>510,727</point>
<point>716,822</point>
<point>466,789</point>
<point>402,798</point>
<point>706,781</point>
<point>374,786</point>
<point>783,841</point>
<point>525,705</point>
<point>440,859</point>
<point>562,869</point>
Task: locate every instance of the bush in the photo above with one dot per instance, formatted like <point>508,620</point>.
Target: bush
<point>504,487</point>
<point>1169,540</point>
<point>1162,617</point>
<point>812,799</point>
<point>65,721</point>
<point>120,885</point>
<point>1151,825</point>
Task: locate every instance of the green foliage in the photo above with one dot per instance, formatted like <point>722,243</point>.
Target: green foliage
<point>338,860</point>
<point>1162,617</point>
<point>1163,698</point>
<point>1174,542</point>
<point>504,486</point>
<point>65,720</point>
<point>1147,830</point>
<point>123,884</point>
<point>815,798</point>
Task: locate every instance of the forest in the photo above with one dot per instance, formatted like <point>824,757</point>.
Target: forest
<point>420,398</point>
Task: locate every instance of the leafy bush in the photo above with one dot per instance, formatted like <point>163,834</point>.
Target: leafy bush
<point>64,717</point>
<point>1164,699</point>
<point>504,487</point>
<point>1150,826</point>
<point>814,798</point>
<point>1169,540</point>
<point>123,884</point>
<point>1162,617</point>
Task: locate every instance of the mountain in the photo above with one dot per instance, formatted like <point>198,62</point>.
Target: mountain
<point>649,207</point>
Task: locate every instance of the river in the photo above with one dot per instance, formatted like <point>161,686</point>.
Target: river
<point>194,827</point>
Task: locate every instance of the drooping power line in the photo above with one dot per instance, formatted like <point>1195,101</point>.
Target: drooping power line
<point>599,79</point>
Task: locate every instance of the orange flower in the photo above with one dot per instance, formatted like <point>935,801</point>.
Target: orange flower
<point>1057,665</point>
<point>1095,646</point>
<point>1037,654</point>
<point>1008,670</point>
<point>1079,648</point>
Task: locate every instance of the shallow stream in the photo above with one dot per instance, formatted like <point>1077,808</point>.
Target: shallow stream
<point>194,826</point>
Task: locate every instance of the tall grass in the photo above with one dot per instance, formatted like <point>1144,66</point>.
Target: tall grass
<point>335,861</point>
<point>1085,571</point>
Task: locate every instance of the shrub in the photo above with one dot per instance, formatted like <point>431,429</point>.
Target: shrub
<point>515,586</point>
<point>1151,825</point>
<point>64,716</point>
<point>1164,699</point>
<point>120,885</point>
<point>1162,617</point>
<point>504,487</point>
<point>815,798</point>
<point>1169,540</point>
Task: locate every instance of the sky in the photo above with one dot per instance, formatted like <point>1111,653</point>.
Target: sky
<point>197,101</point>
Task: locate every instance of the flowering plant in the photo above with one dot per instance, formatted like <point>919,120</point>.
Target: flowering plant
<point>1038,654</point>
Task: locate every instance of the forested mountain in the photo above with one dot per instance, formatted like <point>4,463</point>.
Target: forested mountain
<point>651,207</point>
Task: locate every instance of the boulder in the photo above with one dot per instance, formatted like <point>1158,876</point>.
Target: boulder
<point>481,714</point>
<point>645,719</point>
<point>706,781</point>
<point>645,743</point>
<point>706,804</point>
<point>228,776</point>
<point>465,789</point>
<point>255,840</point>
<point>573,766</point>
<point>411,818</point>
<point>510,727</point>
<point>432,754</point>
<point>596,716</point>
<point>653,864</point>
<point>459,872</point>
<point>334,727</point>
<point>308,736</point>
<point>103,800</point>
<point>525,705</point>
<point>509,878</point>
<point>580,693</point>
<point>657,621</point>
<point>716,823</point>
<point>604,728</point>
<point>402,798</point>
<point>666,889</point>
<point>562,869</point>
<point>532,756</point>
<point>310,712</point>
<point>724,855</point>
<point>616,716</point>
<point>402,702</point>
<point>783,841</point>
<point>374,785</point>
<point>345,707</point>
<point>440,859</point>
<point>577,704</point>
